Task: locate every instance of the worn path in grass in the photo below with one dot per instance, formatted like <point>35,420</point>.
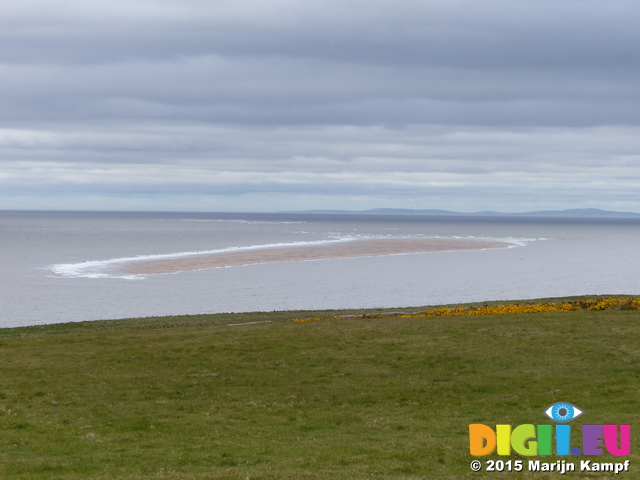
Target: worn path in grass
<point>349,399</point>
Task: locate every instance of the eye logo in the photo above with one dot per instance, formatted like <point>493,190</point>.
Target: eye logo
<point>563,412</point>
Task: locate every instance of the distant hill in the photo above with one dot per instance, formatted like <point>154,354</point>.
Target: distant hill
<point>582,212</point>
<point>574,212</point>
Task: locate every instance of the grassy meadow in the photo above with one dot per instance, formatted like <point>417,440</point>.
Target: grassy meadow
<point>357,398</point>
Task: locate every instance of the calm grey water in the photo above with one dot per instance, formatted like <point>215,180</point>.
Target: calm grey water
<point>63,266</point>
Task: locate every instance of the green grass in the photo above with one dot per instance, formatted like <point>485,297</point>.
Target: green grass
<point>192,398</point>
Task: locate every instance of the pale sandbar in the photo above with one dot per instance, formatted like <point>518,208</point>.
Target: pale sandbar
<point>359,248</point>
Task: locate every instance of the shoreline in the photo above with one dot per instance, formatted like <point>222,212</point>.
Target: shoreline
<point>264,317</point>
<point>359,248</point>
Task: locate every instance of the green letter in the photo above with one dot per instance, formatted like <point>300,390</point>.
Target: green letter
<point>523,440</point>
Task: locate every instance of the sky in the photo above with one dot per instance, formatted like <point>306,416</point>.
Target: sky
<point>272,105</point>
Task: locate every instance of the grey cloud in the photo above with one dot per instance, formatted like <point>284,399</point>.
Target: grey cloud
<point>273,91</point>
<point>383,99</point>
<point>338,146</point>
<point>358,195</point>
<point>495,62</point>
<point>489,34</point>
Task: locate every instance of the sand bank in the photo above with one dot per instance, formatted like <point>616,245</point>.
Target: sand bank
<point>364,248</point>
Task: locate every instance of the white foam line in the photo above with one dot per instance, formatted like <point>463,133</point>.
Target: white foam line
<point>109,268</point>
<point>96,268</point>
<point>250,222</point>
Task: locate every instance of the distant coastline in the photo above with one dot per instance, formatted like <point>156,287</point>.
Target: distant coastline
<point>574,212</point>
<point>570,213</point>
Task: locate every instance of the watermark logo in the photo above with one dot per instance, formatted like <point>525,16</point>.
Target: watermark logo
<point>530,440</point>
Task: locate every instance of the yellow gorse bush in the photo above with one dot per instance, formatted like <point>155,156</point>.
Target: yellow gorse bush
<point>609,303</point>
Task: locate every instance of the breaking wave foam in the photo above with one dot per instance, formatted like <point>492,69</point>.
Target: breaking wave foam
<point>111,268</point>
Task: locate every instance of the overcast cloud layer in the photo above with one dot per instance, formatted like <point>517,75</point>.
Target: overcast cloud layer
<point>278,105</point>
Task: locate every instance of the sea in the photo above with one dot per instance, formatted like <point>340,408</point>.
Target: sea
<point>60,267</point>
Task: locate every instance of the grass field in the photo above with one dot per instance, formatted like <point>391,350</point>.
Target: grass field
<point>381,398</point>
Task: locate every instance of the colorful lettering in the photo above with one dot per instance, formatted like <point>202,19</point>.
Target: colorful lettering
<point>529,440</point>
